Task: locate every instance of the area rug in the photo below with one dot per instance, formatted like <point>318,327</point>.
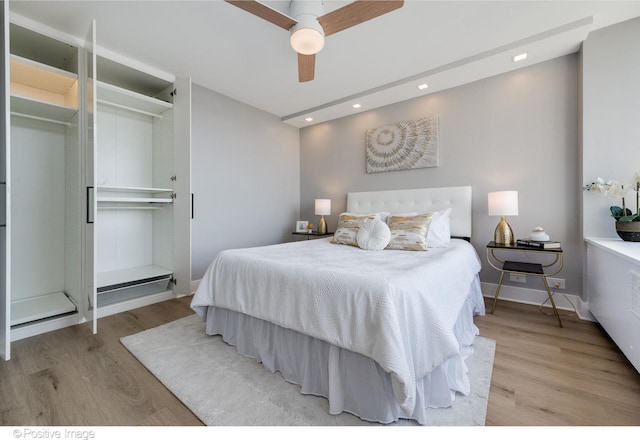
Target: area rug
<point>223,388</point>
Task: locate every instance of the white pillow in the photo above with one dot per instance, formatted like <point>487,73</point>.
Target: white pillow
<point>373,235</point>
<point>439,235</point>
<point>348,226</point>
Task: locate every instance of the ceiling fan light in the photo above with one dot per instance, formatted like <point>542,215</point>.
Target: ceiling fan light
<point>307,36</point>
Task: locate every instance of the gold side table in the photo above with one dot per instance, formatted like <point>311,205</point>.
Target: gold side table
<point>537,269</point>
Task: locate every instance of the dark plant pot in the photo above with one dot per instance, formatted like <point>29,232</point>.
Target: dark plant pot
<point>628,231</point>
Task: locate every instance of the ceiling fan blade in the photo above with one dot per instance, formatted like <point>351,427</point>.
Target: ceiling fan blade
<point>265,12</point>
<point>306,67</point>
<point>355,13</point>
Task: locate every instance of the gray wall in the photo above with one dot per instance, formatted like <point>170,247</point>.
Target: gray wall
<point>245,176</point>
<point>611,118</point>
<point>517,131</point>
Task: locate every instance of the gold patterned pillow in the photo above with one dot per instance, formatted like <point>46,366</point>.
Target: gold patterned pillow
<point>409,232</point>
<point>348,225</point>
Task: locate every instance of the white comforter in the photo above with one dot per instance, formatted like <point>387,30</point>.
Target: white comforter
<point>396,307</point>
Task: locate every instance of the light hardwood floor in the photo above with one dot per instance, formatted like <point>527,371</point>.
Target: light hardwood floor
<point>552,376</point>
<point>543,374</point>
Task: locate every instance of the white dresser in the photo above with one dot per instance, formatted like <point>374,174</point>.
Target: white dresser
<point>613,290</point>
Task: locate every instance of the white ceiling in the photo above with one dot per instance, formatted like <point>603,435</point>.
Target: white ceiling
<point>223,48</point>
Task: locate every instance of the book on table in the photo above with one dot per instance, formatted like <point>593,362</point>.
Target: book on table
<point>538,244</point>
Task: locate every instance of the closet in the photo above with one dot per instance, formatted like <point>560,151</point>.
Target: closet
<point>95,200</point>
<point>135,185</point>
<point>44,177</point>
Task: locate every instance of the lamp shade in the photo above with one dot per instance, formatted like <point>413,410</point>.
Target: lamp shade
<point>323,206</point>
<point>503,203</point>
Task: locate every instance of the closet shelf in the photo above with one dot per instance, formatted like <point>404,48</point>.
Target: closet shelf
<point>112,95</point>
<point>39,81</point>
<point>135,200</point>
<point>40,307</point>
<point>124,278</point>
<point>42,92</point>
<point>111,194</point>
<point>136,189</point>
<point>42,110</point>
<point>41,76</point>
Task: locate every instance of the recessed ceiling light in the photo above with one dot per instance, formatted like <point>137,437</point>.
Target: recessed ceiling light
<point>423,86</point>
<point>522,56</point>
<point>308,119</point>
<point>356,106</point>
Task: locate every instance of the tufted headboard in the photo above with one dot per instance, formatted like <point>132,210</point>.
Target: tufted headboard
<point>418,200</point>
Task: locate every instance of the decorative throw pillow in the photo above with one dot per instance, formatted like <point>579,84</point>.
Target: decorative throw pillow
<point>348,226</point>
<point>373,235</point>
<point>409,232</point>
<point>439,235</point>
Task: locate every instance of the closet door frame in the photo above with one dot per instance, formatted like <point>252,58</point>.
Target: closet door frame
<point>183,209</point>
<point>89,148</point>
<point>5,160</point>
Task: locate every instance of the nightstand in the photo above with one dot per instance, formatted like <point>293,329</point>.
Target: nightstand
<point>297,236</point>
<point>550,268</point>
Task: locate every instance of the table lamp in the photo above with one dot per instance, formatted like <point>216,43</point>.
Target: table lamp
<point>323,207</point>
<point>503,203</point>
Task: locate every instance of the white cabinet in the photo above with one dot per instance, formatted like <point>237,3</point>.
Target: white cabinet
<point>43,184</point>
<point>95,201</point>
<point>136,185</point>
<point>613,289</point>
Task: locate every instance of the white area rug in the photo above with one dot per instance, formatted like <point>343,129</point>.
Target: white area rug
<point>223,388</point>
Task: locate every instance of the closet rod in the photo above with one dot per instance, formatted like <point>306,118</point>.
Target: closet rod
<point>125,107</point>
<point>38,118</point>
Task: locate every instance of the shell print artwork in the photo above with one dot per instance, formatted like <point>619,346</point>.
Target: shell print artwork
<point>403,146</point>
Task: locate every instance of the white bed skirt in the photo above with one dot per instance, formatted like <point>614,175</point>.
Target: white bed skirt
<point>350,381</point>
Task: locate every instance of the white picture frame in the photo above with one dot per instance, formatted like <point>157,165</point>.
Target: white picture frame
<point>301,226</point>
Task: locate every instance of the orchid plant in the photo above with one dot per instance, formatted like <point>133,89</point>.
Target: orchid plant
<point>618,190</point>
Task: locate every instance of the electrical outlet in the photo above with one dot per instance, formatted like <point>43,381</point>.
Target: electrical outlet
<point>556,283</point>
<point>518,277</point>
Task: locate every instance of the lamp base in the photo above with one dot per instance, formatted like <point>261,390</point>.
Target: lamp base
<point>322,226</point>
<point>503,233</point>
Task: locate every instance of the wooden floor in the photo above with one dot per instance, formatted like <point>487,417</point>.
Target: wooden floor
<point>543,374</point>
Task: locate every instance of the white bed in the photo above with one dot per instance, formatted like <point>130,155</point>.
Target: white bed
<point>381,334</point>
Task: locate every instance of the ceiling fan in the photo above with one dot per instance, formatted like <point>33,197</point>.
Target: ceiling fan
<point>308,25</point>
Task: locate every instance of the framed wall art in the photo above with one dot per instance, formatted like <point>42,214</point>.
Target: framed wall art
<point>403,146</point>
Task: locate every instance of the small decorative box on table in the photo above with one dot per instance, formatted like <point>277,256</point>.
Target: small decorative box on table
<point>537,269</point>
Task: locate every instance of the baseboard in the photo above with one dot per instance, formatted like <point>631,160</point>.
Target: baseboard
<point>564,301</point>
